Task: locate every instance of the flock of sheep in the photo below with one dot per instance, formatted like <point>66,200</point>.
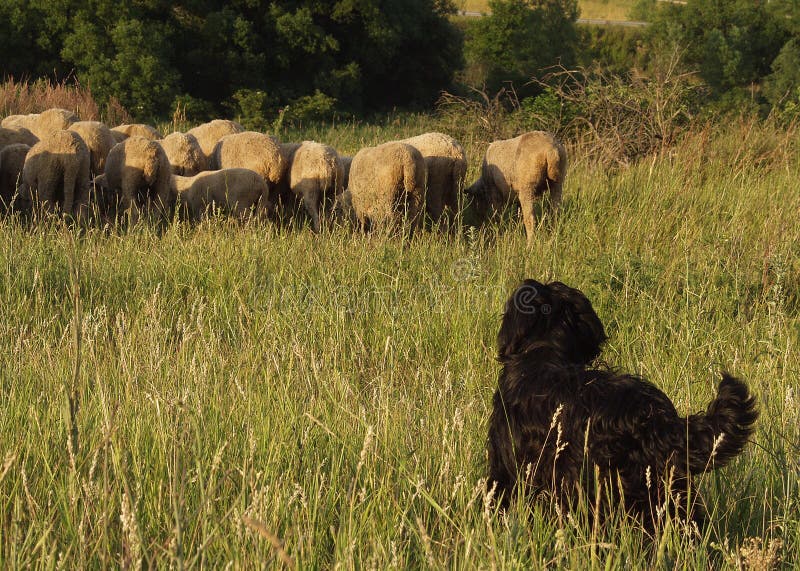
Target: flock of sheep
<point>64,164</point>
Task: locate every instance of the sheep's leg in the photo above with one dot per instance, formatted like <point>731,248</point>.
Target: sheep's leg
<point>526,202</point>
<point>166,201</point>
<point>416,213</point>
<point>450,201</point>
<point>130,209</point>
<point>127,197</point>
<point>82,195</point>
<point>363,223</point>
<point>240,211</point>
<point>70,181</point>
<point>46,191</point>
<point>434,199</point>
<point>555,195</point>
<point>311,201</point>
<point>265,209</point>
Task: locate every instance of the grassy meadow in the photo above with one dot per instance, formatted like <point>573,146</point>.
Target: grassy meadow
<point>227,396</point>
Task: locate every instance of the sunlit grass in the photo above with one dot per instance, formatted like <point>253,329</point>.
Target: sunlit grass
<point>592,9</point>
<point>333,390</point>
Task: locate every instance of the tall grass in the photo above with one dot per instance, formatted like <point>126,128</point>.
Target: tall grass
<point>252,396</point>
<point>23,97</point>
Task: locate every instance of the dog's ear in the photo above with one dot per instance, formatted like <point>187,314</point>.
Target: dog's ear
<point>522,318</point>
<point>578,328</point>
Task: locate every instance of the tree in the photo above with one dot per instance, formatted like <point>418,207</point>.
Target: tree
<point>782,86</point>
<point>31,34</point>
<point>520,38</point>
<point>731,42</point>
<point>212,55</point>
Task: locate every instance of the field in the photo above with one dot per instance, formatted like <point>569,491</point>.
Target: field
<point>247,396</point>
<point>592,9</point>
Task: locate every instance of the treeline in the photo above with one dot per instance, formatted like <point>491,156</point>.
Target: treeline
<point>745,53</point>
<point>265,60</point>
<point>245,57</point>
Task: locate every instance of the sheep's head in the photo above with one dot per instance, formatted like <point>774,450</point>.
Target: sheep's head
<point>485,199</point>
<point>24,197</point>
<point>343,208</point>
<point>104,196</point>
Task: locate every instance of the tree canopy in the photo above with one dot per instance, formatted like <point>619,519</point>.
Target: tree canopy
<point>212,55</point>
<point>522,37</point>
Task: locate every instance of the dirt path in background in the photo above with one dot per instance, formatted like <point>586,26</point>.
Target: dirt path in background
<point>588,21</point>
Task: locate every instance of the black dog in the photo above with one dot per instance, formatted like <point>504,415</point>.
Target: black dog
<point>557,423</point>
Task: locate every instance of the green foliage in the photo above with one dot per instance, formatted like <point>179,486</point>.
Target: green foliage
<point>316,107</point>
<point>731,42</point>
<point>365,54</point>
<point>644,10</point>
<point>782,86</point>
<point>548,111</point>
<point>252,108</point>
<point>31,33</point>
<point>124,53</point>
<point>192,109</point>
<point>519,39</point>
<point>615,49</point>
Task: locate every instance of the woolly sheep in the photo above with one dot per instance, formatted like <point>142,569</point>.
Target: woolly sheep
<point>236,190</point>
<point>14,136</point>
<point>119,136</point>
<point>254,151</point>
<point>138,173</point>
<point>20,122</point>
<point>522,168</point>
<point>122,132</point>
<point>12,161</point>
<point>209,134</point>
<point>387,182</point>
<point>42,124</point>
<point>98,138</point>
<point>446,162</point>
<point>56,172</point>
<point>184,154</point>
<point>316,174</point>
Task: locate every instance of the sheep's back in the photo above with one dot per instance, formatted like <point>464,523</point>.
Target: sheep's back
<point>384,176</point>
<point>251,150</point>
<point>209,134</point>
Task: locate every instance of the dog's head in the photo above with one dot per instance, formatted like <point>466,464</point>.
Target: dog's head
<point>552,315</point>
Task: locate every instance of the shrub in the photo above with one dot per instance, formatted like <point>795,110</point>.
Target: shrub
<point>782,86</point>
<point>316,107</point>
<point>252,108</point>
<point>619,118</point>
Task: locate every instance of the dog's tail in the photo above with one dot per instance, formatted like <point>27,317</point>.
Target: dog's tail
<point>717,436</point>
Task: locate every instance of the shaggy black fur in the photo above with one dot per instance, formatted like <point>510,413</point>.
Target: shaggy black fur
<point>555,420</point>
